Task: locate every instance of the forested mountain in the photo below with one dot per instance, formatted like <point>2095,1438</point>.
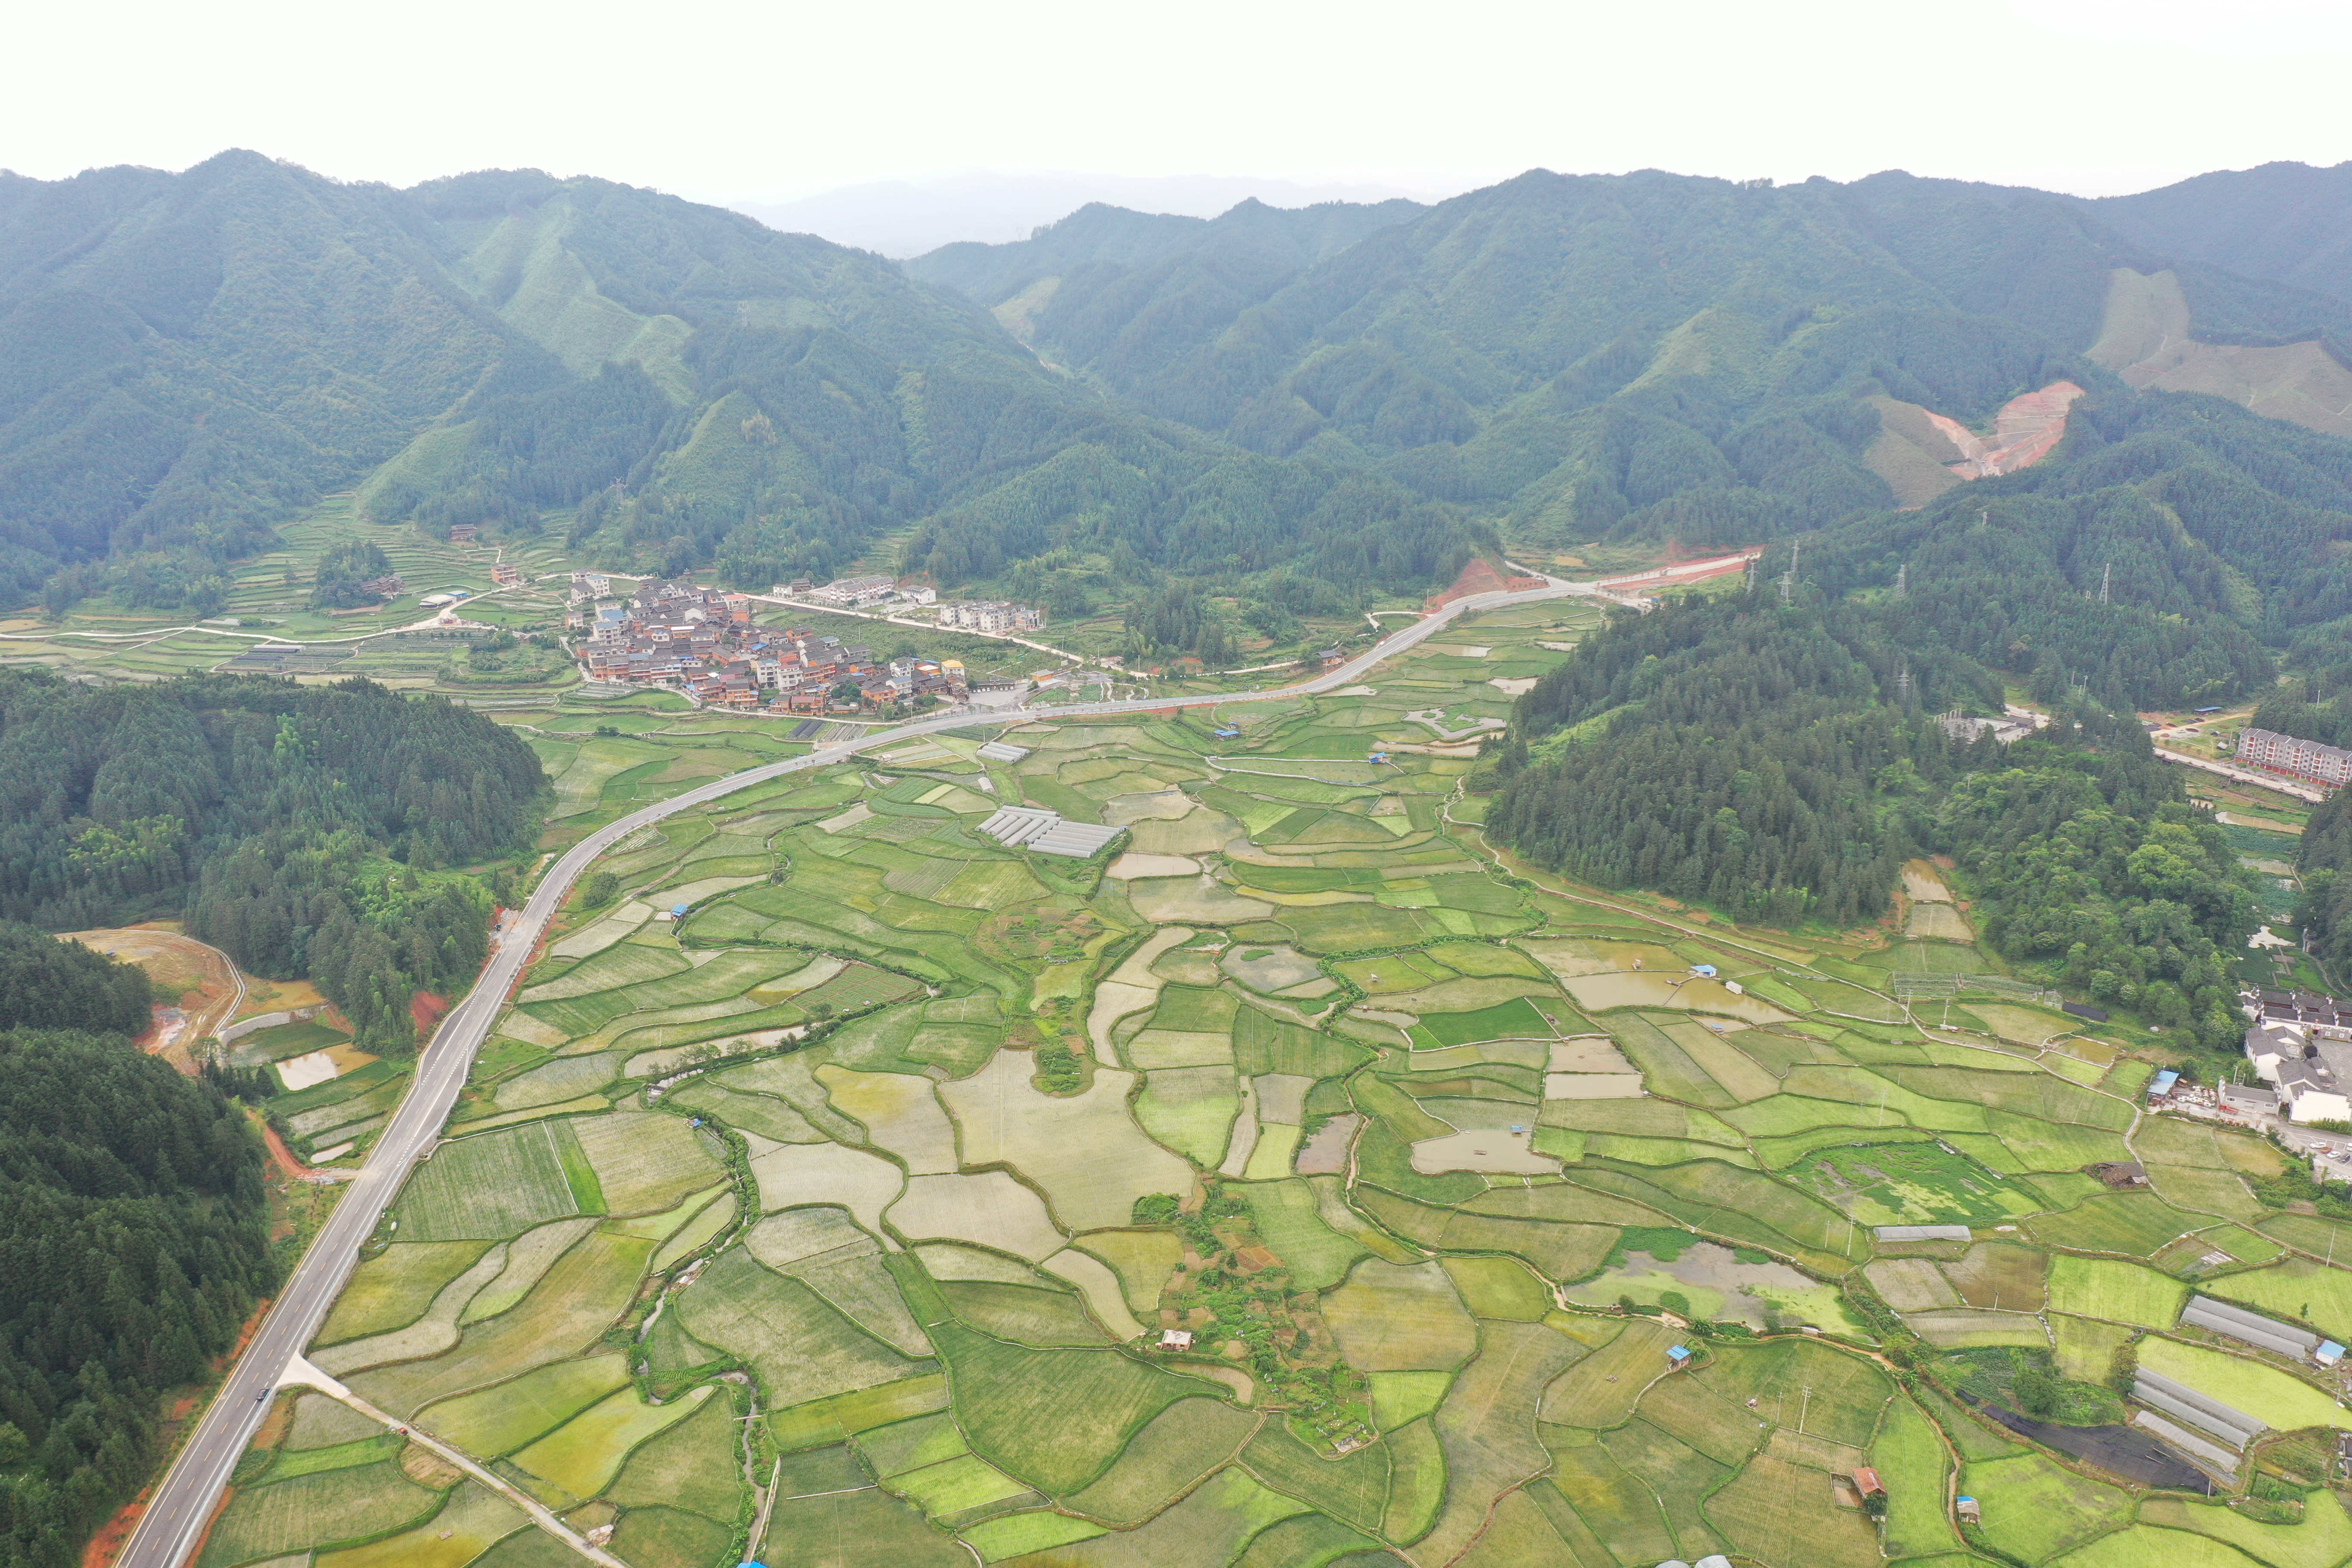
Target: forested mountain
<point>133,1244</point>
<point>1648,355</point>
<point>301,829</point>
<point>187,359</point>
<point>2289,222</point>
<point>1302,405</point>
<point>1251,237</point>
<point>46,983</point>
<point>2323,909</point>
<point>1780,763</point>
<point>133,1241</point>
<point>2147,568</point>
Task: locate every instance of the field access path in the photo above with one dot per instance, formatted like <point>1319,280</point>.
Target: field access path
<point>174,1518</point>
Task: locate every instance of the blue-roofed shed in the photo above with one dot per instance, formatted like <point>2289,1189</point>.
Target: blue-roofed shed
<point>2161,1084</point>
<point>677,912</point>
<point>1706,968</point>
<point>1678,1356</point>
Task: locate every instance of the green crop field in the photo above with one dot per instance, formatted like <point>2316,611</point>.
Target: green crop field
<point>2118,1291</point>
<point>392,1289</point>
<point>2321,1538</point>
<point>1778,1512</point>
<point>584,1454</point>
<point>2132,1223</point>
<point>2038,1511</point>
<point>2296,1287</point>
<point>324,1509</point>
<point>500,1420</point>
<point>2263,1392</point>
<point>1515,1020</point>
<point>498,1185</point>
<point>968,1212</point>
<point>1169,1454</point>
<point>1054,1418</point>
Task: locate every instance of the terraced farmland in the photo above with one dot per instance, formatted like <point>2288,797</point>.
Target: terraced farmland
<point>1304,1190</point>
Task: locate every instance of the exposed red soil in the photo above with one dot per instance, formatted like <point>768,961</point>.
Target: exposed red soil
<point>427,1010</point>
<point>1682,572</point>
<point>2028,427</point>
<point>102,1547</point>
<point>292,1169</point>
<point>1480,576</point>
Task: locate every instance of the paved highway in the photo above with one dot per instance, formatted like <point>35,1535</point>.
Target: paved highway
<point>174,1520</point>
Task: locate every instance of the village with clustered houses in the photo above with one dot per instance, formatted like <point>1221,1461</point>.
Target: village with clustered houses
<point>704,643</point>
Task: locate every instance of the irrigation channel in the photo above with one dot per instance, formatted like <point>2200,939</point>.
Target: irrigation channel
<point>176,1515</point>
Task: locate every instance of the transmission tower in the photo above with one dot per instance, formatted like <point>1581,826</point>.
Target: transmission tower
<point>2107,573</point>
<point>1788,578</point>
<point>1903,580</point>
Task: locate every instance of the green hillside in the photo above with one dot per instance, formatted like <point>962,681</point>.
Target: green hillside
<point>186,359</point>
<point>192,359</point>
<point>1113,289</point>
<point>1648,356</point>
<point>1290,411</point>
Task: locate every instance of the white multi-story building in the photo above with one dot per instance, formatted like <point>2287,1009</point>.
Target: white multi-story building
<point>855,590</point>
<point>2286,754</point>
<point>2300,1068</point>
<point>991,616</point>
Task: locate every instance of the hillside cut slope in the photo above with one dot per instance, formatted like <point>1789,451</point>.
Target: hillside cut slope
<point>2147,339</point>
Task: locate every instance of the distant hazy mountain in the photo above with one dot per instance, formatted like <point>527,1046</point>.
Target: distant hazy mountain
<point>2287,221</point>
<point>1118,291</point>
<point>909,217</point>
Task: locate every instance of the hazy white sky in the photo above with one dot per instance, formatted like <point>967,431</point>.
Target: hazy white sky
<point>736,103</point>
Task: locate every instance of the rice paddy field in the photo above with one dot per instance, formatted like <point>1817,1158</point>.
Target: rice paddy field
<point>1294,1183</point>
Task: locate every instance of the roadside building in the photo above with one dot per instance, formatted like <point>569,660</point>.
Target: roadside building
<point>2268,749</point>
<point>2243,1100</point>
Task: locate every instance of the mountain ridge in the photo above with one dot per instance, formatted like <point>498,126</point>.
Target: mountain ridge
<point>1124,404</point>
<point>2285,221</point>
<point>196,356</point>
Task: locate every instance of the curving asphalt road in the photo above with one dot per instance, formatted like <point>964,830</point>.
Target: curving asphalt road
<point>174,1519</point>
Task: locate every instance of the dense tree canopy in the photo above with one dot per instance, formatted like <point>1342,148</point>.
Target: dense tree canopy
<point>344,571</point>
<point>134,1243</point>
<point>46,983</point>
<point>2324,860</point>
<point>300,828</point>
<point>1782,764</point>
